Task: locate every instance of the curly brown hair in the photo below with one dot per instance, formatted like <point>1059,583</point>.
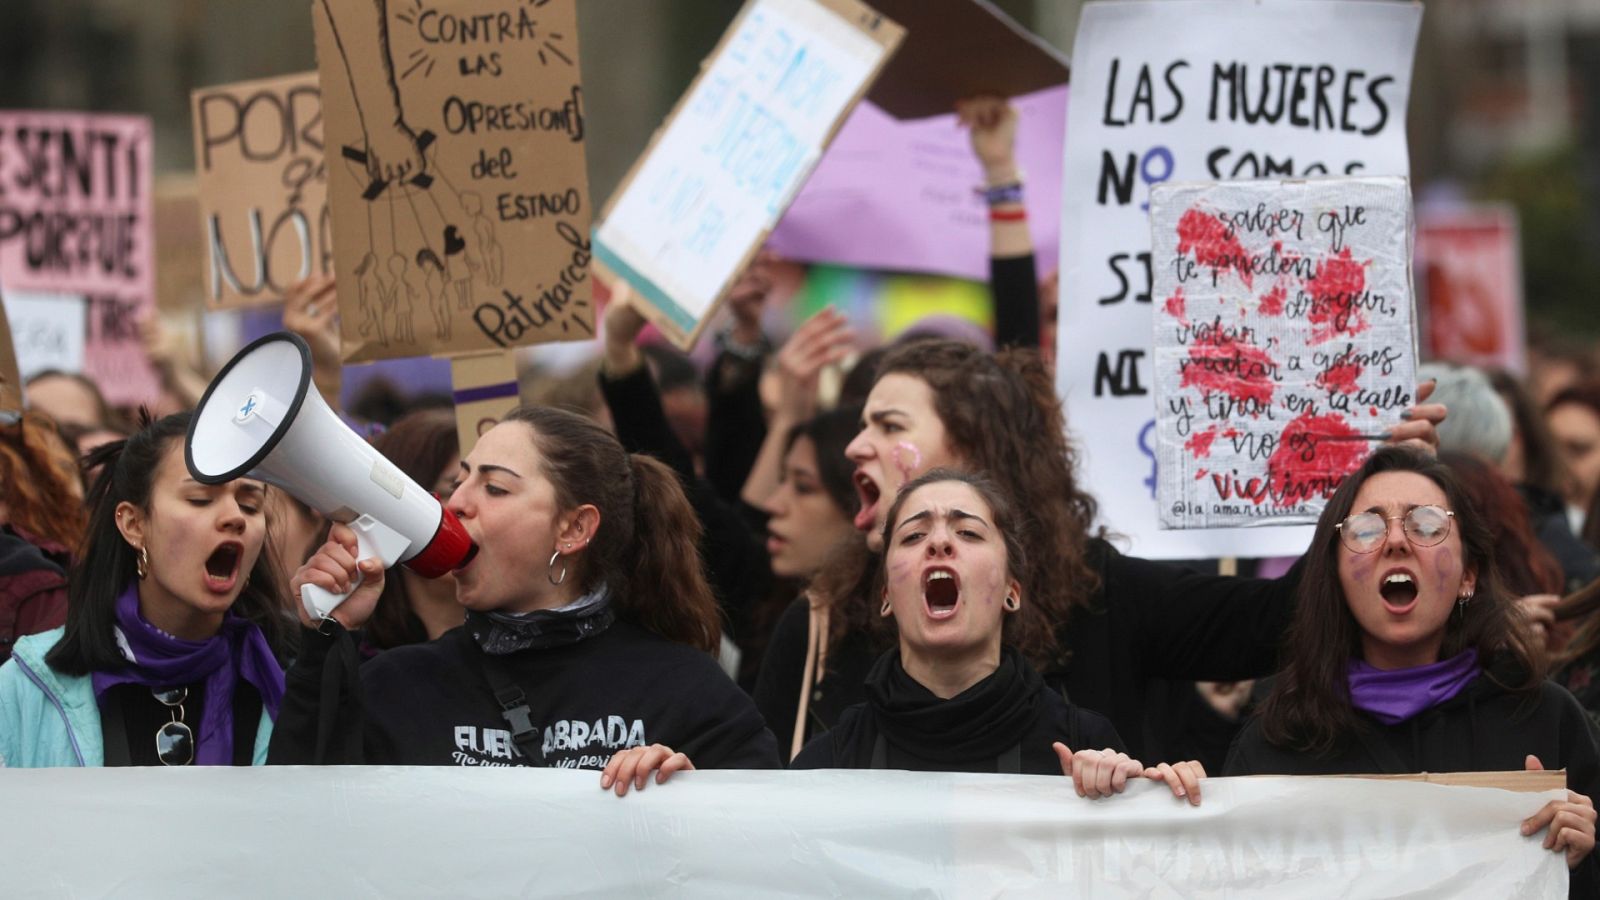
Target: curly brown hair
<point>39,481</point>
<point>1003,420</point>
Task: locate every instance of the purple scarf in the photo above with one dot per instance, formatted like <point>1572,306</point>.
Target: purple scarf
<point>1393,696</point>
<point>159,660</point>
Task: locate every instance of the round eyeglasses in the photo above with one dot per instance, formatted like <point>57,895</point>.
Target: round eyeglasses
<point>1424,526</point>
<point>174,740</point>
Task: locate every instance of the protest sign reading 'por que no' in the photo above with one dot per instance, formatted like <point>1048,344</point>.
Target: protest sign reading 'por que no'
<point>1284,342</point>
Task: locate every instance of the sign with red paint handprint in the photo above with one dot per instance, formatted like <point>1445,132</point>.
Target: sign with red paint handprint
<point>1285,343</point>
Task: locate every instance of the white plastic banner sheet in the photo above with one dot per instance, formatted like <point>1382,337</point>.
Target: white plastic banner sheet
<point>441,832</point>
<point>1198,90</point>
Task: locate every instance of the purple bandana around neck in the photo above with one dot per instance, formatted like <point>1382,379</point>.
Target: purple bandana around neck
<point>159,660</point>
<point>1394,695</point>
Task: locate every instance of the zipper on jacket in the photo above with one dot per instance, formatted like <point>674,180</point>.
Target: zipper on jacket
<point>54,701</point>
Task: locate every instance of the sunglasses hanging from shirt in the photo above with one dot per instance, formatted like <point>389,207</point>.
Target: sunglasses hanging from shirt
<point>174,740</point>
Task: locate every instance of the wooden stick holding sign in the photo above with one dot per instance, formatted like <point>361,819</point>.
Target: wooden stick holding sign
<point>10,377</point>
<point>485,389</point>
<point>694,209</point>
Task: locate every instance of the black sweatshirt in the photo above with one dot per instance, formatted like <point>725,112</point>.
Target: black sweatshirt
<point>1010,714</point>
<point>430,705</point>
<point>1485,728</point>
<point>1148,620</point>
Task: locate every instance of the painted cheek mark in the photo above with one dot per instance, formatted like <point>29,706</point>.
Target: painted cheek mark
<point>1444,566</point>
<point>1362,567</point>
<point>907,458</point>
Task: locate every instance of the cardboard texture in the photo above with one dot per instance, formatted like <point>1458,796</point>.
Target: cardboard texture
<point>957,49</point>
<point>10,377</point>
<point>485,389</point>
<point>715,178</point>
<point>454,144</point>
<point>76,220</point>
<point>180,269</point>
<point>1522,782</point>
<point>258,152</point>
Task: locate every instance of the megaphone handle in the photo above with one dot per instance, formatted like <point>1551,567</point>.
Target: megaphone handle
<point>374,540</point>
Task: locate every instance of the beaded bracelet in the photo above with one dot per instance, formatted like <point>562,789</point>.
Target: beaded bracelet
<point>1001,194</point>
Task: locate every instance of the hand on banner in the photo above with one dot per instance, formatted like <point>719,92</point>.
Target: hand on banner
<point>1183,778</point>
<point>1420,425</point>
<point>620,355</point>
<point>1571,822</point>
<point>333,568</point>
<point>1097,773</point>
<point>992,123</point>
<point>823,340</point>
<point>634,765</point>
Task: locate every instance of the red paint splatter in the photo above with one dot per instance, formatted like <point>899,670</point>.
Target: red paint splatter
<point>1199,443</point>
<point>1340,378</point>
<point>1272,302</point>
<point>1231,433</point>
<point>1372,410</point>
<point>1335,289</point>
<point>1308,465</point>
<point>1199,474</point>
<point>1175,306</point>
<point>1228,364</point>
<point>1207,237</point>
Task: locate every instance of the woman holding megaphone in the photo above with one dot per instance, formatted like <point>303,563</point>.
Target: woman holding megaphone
<point>169,655</point>
<point>589,626</point>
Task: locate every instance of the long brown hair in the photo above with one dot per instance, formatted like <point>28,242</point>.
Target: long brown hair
<point>419,444</point>
<point>1526,567</point>
<point>646,548</point>
<point>1309,709</point>
<point>1002,418</point>
<point>39,481</point>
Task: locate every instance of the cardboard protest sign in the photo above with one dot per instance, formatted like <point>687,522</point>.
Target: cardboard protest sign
<point>75,218</point>
<point>1469,277</point>
<point>180,273</point>
<point>1284,342</point>
<point>1197,90</point>
<point>485,389</point>
<point>900,196</point>
<point>258,156</point>
<point>454,143</point>
<point>10,375</point>
<point>960,49</point>
<point>694,209</point>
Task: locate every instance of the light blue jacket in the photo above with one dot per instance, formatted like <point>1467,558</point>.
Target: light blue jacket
<point>51,719</point>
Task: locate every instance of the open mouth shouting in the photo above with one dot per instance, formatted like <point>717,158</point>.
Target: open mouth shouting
<point>869,492</point>
<point>222,567</point>
<point>1399,591</point>
<point>941,592</point>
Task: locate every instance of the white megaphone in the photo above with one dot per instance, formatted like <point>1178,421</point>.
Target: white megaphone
<point>262,418</point>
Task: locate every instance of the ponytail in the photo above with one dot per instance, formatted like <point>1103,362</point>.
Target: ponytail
<point>665,590</point>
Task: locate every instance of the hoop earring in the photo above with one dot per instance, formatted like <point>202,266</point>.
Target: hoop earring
<point>552,567</point>
<point>1013,603</point>
<point>886,609</point>
<point>141,563</point>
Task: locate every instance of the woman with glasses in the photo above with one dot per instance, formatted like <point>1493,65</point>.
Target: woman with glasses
<point>169,655</point>
<point>1407,655</point>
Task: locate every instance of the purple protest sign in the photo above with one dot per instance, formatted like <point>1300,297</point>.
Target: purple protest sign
<point>900,195</point>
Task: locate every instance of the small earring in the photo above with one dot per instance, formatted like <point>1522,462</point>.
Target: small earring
<point>1012,603</point>
<point>142,563</point>
<point>886,609</point>
<point>552,567</point>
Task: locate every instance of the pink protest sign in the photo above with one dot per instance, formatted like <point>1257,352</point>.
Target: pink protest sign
<point>1284,342</point>
<point>1470,273</point>
<point>900,195</point>
<point>75,219</point>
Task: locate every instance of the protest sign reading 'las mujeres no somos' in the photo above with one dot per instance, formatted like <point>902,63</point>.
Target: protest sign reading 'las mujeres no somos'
<point>454,143</point>
<point>1284,342</point>
<point>263,188</point>
<point>75,221</point>
<point>1190,91</point>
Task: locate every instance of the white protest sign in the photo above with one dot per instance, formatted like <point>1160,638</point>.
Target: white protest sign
<point>353,831</point>
<point>1284,342</point>
<point>49,330</point>
<point>716,177</point>
<point>1198,90</point>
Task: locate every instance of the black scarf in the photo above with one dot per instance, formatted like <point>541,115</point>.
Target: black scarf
<point>985,720</point>
<point>499,633</point>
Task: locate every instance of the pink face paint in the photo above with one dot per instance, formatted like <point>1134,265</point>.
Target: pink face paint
<point>908,459</point>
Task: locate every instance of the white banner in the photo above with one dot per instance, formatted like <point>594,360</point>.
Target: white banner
<point>1198,90</point>
<point>442,832</point>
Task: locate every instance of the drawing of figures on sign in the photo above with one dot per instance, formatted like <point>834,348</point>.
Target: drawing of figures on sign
<point>455,130</point>
<point>263,188</point>
<point>1284,342</point>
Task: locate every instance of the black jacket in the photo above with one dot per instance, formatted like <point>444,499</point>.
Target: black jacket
<point>1007,728</point>
<point>1148,620</point>
<point>430,705</point>
<point>1485,728</point>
